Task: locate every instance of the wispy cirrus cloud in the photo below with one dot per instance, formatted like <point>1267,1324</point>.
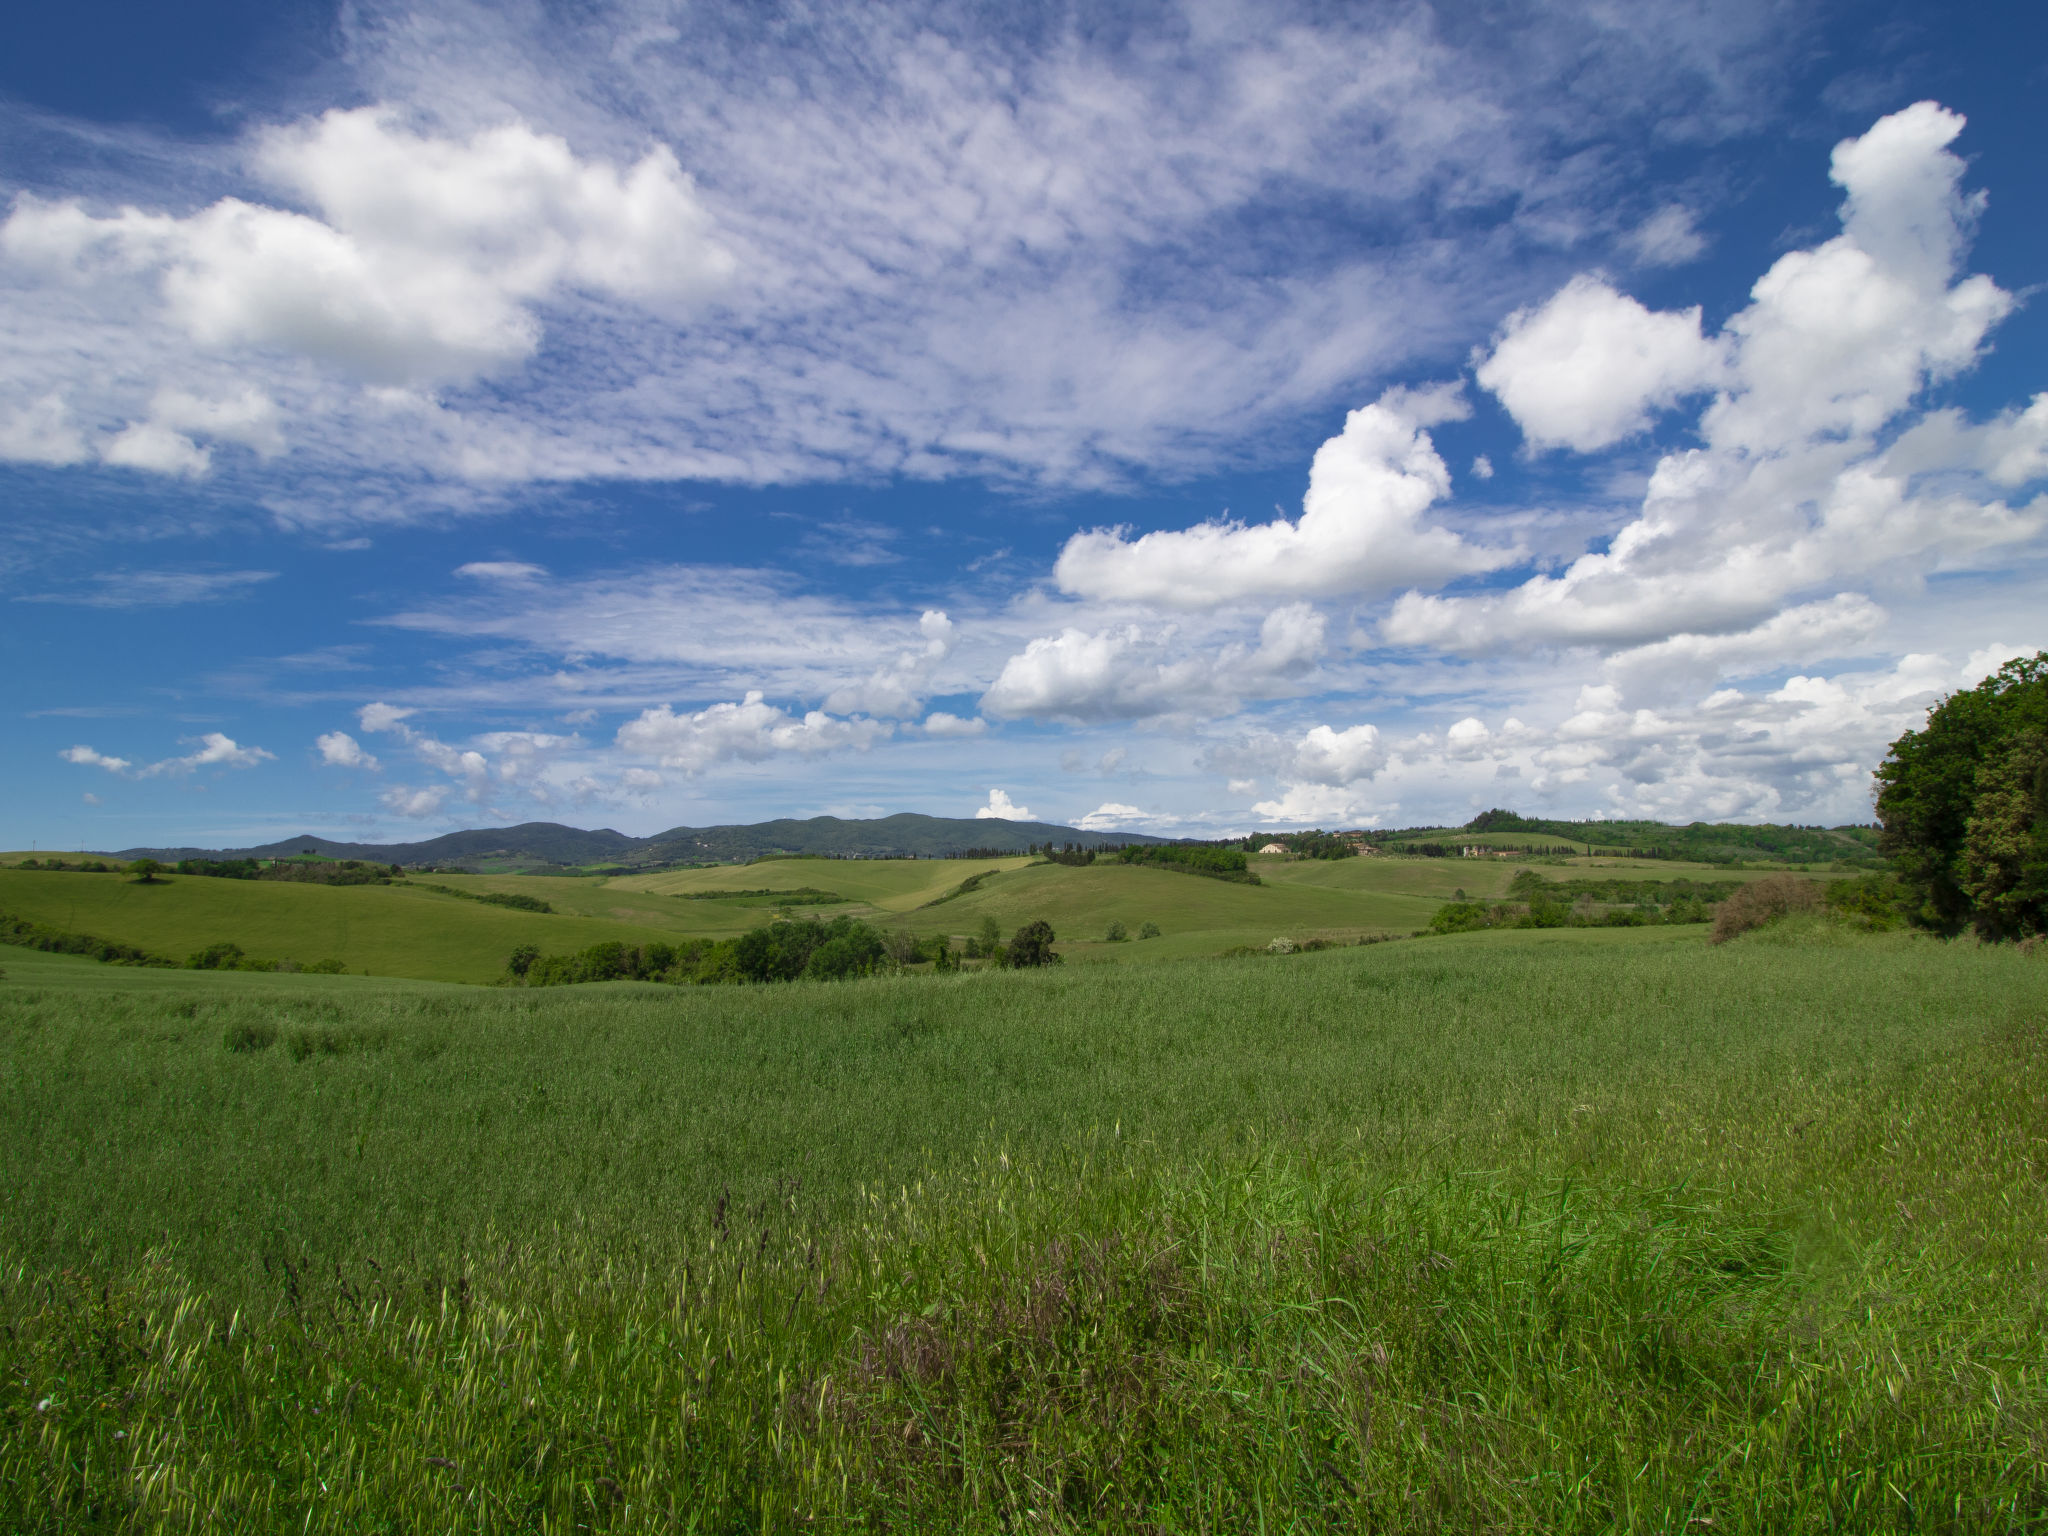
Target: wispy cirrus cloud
<point>155,589</point>
<point>1045,251</point>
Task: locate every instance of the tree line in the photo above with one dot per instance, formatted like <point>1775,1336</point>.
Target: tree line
<point>842,949</point>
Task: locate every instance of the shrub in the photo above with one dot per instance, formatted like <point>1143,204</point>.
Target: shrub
<point>1870,902</point>
<point>1194,859</point>
<point>216,957</point>
<point>1149,931</point>
<point>1031,945</point>
<point>1116,933</point>
<point>1756,906</point>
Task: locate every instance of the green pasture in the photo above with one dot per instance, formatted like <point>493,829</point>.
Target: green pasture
<point>412,929</point>
<point>387,930</point>
<point>1569,1230</point>
<point>887,885</point>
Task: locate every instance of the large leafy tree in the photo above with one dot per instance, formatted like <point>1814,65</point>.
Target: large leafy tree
<point>1964,806</point>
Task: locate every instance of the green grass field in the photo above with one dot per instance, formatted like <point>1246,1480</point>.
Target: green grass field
<point>413,930</point>
<point>1569,1230</point>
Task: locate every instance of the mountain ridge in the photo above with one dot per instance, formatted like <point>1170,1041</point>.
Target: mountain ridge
<point>904,835</point>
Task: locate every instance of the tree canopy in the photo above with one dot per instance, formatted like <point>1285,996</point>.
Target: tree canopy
<point>1963,802</point>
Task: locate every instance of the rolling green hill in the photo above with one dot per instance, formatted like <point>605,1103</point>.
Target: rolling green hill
<point>411,929</point>
<point>391,930</point>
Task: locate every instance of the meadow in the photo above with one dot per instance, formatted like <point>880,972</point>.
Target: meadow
<point>1569,1230</point>
<point>420,927</point>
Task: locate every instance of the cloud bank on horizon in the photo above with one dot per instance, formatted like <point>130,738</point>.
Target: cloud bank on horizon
<point>1714,550</point>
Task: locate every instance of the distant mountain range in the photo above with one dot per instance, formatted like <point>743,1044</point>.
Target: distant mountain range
<point>539,844</point>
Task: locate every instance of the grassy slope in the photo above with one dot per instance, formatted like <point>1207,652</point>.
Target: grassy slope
<point>1233,1265</point>
<point>418,932</point>
<point>387,930</point>
<point>888,885</point>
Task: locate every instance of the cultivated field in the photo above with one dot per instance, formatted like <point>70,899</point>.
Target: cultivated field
<point>1567,1230</point>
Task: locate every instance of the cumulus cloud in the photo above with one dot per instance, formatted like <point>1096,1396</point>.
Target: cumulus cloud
<point>88,758</point>
<point>426,261</point>
<point>338,749</point>
<point>1324,804</point>
<point>163,441</point>
<point>1337,758</point>
<point>213,750</point>
<point>896,689</point>
<point>1792,489</point>
<point>1360,533</point>
<point>750,731</point>
<point>1001,807</point>
<point>1320,771</point>
<point>414,804</point>
<point>1589,367</point>
<point>1132,672</point>
<point>940,723</point>
<point>1803,747</point>
<point>383,717</point>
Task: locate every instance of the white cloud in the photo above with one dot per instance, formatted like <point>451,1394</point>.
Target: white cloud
<point>1588,367</point>
<point>383,717</point>
<point>338,749</point>
<point>1337,758</point>
<point>896,689</point>
<point>1806,634</point>
<point>939,723</point>
<point>1360,532</point>
<point>91,799</point>
<point>1131,672</point>
<point>931,242</point>
<point>1320,771</point>
<point>1324,804</point>
<point>1667,238</point>
<point>429,255</point>
<point>1000,807</point>
<point>42,432</point>
<point>703,631</point>
<point>161,450</point>
<point>149,589</point>
<point>501,570</point>
<point>215,750</point>
<point>414,804</point>
<point>1112,816</point>
<point>750,731</point>
<point>1792,493</point>
<point>163,442</point>
<point>88,758</point>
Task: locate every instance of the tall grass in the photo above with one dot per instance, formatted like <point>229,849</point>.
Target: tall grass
<point>1501,1233</point>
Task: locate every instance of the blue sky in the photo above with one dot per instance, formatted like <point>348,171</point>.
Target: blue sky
<point>1175,417</point>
